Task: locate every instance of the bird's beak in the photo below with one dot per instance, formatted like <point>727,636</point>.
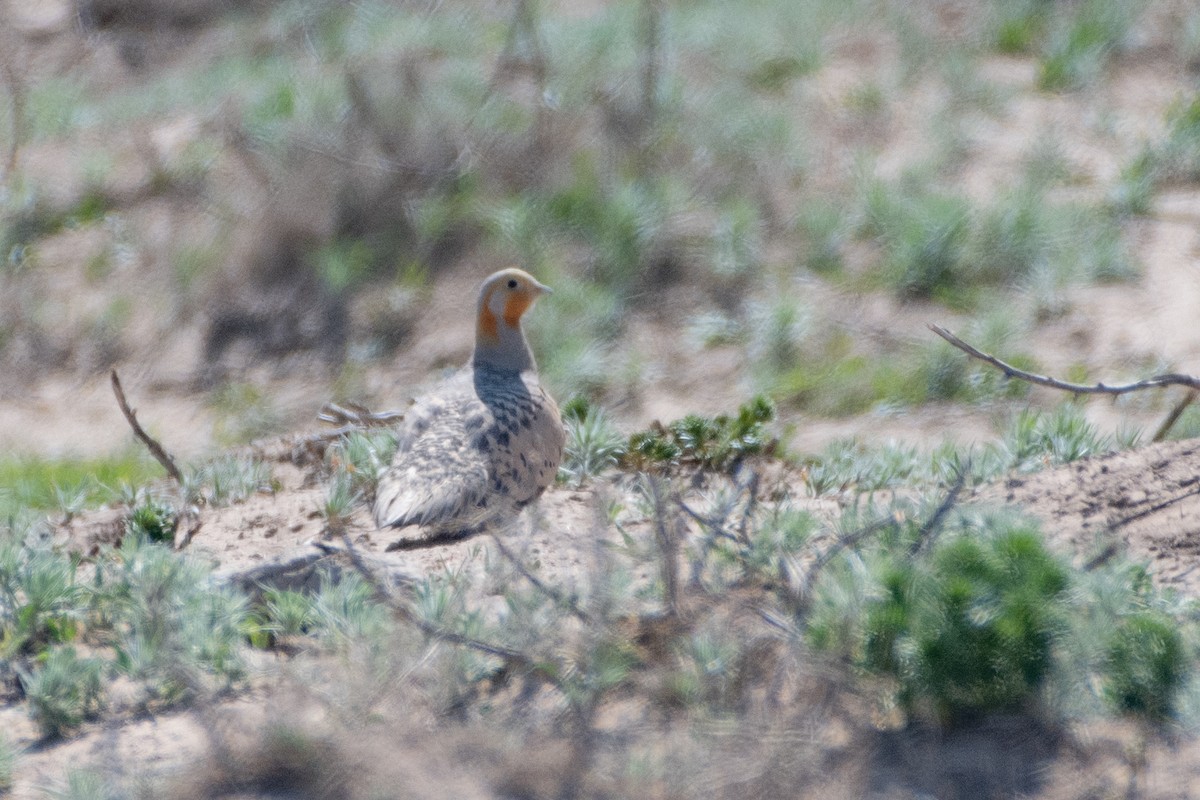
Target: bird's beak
<point>542,288</point>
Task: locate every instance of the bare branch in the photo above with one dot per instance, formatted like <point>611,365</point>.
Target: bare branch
<point>407,614</point>
<point>353,415</point>
<point>16,90</point>
<point>1174,416</point>
<point>666,535</point>
<point>931,527</point>
<point>156,449</point>
<point>553,593</point>
<point>1158,381</point>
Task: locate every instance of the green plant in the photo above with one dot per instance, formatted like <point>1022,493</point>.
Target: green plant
<point>969,629</point>
<point>922,235</point>
<point>1174,159</point>
<point>1035,439</point>
<point>340,500</point>
<point>39,599</point>
<point>76,483</point>
<point>226,480</point>
<point>714,442</point>
<point>1080,46</point>
<point>344,610</point>
<point>1017,26</point>
<point>87,784</point>
<point>167,624</point>
<point>1146,665</point>
<point>593,445</point>
<point>63,691</point>
<point>153,520</point>
<point>363,455</point>
<point>288,613</point>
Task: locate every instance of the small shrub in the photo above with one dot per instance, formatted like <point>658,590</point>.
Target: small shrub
<point>969,629</point>
<point>340,501</point>
<point>923,236</point>
<point>1146,665</point>
<point>167,624</point>
<point>88,784</point>
<point>40,602</point>
<point>64,691</point>
<point>345,610</point>
<point>1079,49</point>
<point>363,455</point>
<point>227,480</point>
<point>593,445</point>
<point>152,520</point>
<point>713,442</point>
<point>1035,439</point>
<point>1174,160</point>
<point>288,613</point>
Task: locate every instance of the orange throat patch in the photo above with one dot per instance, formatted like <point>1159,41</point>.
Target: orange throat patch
<point>487,324</point>
<point>515,307</point>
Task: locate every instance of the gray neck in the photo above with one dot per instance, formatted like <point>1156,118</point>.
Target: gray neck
<point>510,353</point>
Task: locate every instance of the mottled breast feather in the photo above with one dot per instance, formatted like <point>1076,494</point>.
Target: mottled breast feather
<point>483,445</point>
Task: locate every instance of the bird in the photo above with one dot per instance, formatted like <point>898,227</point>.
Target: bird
<point>487,441</point>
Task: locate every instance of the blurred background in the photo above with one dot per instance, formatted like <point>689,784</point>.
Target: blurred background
<point>250,208</point>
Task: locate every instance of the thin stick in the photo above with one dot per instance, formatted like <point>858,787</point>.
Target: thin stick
<point>154,447</point>
<point>550,591</point>
<point>1174,416</point>
<point>667,538</point>
<point>931,527</point>
<point>1167,379</point>
<point>355,415</point>
<point>407,614</point>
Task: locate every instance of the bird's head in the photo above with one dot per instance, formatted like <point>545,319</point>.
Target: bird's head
<point>504,297</point>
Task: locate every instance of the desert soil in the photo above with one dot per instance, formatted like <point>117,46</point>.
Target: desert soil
<point>1145,502</point>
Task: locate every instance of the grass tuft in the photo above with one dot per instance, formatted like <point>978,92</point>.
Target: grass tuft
<point>64,691</point>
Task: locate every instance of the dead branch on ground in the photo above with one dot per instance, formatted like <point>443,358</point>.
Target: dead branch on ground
<point>156,449</point>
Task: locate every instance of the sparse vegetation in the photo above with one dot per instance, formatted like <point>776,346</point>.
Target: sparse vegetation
<point>970,629</point>
<point>63,691</point>
<point>281,189</point>
<point>225,480</point>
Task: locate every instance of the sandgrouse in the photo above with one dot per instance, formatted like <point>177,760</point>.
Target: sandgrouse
<point>488,440</point>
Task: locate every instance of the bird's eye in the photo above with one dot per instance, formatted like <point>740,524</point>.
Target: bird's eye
<point>512,283</point>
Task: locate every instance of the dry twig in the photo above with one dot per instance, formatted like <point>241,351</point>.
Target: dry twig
<point>403,611</point>
<point>931,527</point>
<point>352,415</point>
<point>156,449</point>
<point>1158,381</point>
<point>667,537</point>
<point>554,594</point>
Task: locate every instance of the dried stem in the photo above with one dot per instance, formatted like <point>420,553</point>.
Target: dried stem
<point>153,446</point>
<point>1158,381</point>
<point>405,613</point>
<point>352,415</point>
<point>537,583</point>
<point>666,535</point>
<point>1173,417</point>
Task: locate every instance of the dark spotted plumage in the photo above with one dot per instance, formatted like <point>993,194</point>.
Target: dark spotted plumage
<point>466,452</point>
